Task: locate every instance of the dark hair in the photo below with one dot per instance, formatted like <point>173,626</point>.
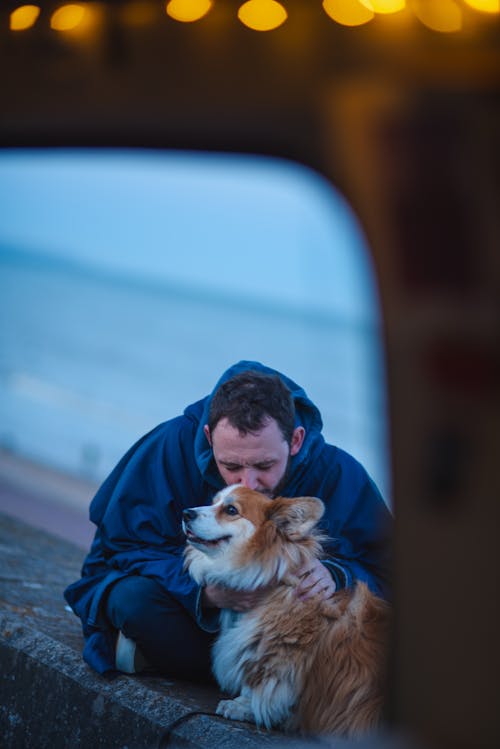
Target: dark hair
<point>249,399</point>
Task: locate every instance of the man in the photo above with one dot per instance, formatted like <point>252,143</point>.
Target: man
<point>258,428</point>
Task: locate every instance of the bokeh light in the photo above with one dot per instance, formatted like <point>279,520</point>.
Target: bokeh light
<point>67,17</point>
<point>262,15</point>
<point>385,6</point>
<point>24,17</point>
<point>348,12</point>
<point>487,6</point>
<point>188,11</point>
<point>444,16</point>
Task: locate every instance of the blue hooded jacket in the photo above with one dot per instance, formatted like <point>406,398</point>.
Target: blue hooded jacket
<point>138,514</point>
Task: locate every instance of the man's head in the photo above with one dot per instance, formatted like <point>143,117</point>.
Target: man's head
<point>251,428</point>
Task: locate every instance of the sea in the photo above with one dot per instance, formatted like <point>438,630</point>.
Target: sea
<point>90,360</point>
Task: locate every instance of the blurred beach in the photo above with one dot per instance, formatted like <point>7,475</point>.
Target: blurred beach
<point>89,361</point>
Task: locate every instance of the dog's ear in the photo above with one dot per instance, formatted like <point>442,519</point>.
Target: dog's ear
<point>295,517</point>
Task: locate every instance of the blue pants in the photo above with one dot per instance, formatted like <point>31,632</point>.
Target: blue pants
<point>166,634</point>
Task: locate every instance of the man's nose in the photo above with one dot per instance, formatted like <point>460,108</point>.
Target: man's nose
<point>249,478</point>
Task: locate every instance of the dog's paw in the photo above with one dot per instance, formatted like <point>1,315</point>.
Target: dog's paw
<point>237,709</point>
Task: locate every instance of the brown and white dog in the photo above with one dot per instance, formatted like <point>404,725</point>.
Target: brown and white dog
<point>310,665</point>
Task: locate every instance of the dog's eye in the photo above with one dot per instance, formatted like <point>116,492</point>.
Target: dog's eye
<point>230,510</point>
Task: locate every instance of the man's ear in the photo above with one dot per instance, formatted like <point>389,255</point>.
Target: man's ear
<point>297,441</point>
<point>295,517</point>
<point>206,430</point>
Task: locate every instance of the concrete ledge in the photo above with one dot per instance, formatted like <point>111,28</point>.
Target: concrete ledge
<point>50,698</point>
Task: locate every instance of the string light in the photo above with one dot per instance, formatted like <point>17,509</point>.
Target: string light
<point>348,12</point>
<point>262,15</point>
<point>188,11</point>
<point>445,16</point>
<point>24,17</point>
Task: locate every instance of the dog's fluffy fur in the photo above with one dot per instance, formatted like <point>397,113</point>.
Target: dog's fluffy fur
<point>311,666</point>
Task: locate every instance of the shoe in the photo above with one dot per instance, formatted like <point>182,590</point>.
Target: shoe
<point>128,657</point>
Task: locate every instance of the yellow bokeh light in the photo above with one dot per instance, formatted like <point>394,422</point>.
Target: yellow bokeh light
<point>385,6</point>
<point>67,17</point>
<point>444,16</point>
<point>487,6</point>
<point>262,15</point>
<point>188,11</point>
<point>24,17</point>
<point>348,12</point>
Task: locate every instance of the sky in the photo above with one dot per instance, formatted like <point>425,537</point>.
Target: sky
<point>252,226</point>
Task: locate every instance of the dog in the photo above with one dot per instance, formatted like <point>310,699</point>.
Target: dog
<point>310,666</point>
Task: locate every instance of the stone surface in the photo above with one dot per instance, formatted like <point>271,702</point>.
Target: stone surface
<point>50,697</point>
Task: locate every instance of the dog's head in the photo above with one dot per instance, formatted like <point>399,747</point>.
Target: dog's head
<point>245,539</point>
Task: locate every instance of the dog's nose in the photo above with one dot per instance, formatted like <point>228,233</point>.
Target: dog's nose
<point>189,514</point>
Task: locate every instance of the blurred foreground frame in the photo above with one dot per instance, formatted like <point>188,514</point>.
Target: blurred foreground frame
<point>404,120</point>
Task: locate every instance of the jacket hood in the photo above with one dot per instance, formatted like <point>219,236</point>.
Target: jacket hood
<point>307,415</point>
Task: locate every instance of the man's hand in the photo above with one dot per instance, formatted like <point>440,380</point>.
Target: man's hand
<point>216,596</point>
<point>315,579</point>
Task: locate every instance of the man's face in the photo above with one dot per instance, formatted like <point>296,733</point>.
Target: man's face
<point>258,461</point>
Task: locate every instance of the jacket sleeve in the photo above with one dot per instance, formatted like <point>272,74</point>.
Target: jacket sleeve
<point>359,525</point>
<point>138,511</point>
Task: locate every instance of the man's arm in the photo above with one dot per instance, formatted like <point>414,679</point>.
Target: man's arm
<point>359,525</point>
<point>314,579</point>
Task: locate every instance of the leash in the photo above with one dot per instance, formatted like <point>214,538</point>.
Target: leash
<point>166,736</point>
